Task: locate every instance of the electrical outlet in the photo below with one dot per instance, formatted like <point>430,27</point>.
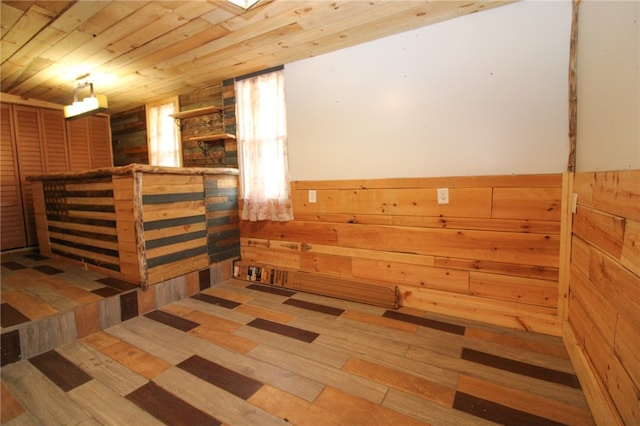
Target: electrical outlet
<point>443,195</point>
<point>312,195</point>
<point>574,203</point>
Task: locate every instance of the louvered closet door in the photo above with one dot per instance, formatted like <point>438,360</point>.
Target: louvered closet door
<point>100,132</point>
<point>54,140</point>
<point>11,211</point>
<point>30,160</point>
<point>78,140</point>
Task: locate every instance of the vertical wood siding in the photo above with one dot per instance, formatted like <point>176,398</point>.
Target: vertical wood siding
<point>491,254</point>
<point>603,328</point>
<point>223,227</point>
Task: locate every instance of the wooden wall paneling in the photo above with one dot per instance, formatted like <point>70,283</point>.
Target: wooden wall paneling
<point>502,230</point>
<point>30,160</point>
<point>412,275</point>
<point>516,315</point>
<point>508,247</point>
<point>630,256</point>
<point>516,289</point>
<point>129,133</point>
<point>54,140</point>
<point>13,233</point>
<point>530,203</point>
<point>604,289</point>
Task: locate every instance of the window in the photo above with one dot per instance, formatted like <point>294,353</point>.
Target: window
<point>164,141</point>
<point>262,143</point>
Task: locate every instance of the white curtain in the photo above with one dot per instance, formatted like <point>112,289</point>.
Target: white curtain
<point>262,135</point>
<point>164,144</point>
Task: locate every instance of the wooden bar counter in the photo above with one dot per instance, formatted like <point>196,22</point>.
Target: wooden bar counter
<point>138,223</point>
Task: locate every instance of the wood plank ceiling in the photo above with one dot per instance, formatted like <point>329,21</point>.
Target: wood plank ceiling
<point>142,51</point>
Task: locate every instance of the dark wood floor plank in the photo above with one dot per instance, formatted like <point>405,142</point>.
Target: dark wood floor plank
<point>13,266</point>
<point>272,290</point>
<point>48,270</point>
<point>214,300</point>
<point>498,413</point>
<point>314,307</point>
<point>169,408</point>
<point>106,291</point>
<point>523,368</point>
<point>171,320</point>
<point>425,322</point>
<point>10,316</point>
<point>284,330</point>
<point>222,377</point>
<point>10,347</point>
<point>59,370</point>
<point>116,283</point>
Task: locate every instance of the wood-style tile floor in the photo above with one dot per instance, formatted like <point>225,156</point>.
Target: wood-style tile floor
<point>243,354</point>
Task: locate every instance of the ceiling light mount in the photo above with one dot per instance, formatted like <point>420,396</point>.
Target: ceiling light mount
<point>94,104</point>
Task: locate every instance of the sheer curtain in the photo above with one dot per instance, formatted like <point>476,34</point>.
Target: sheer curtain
<point>164,143</point>
<point>262,136</point>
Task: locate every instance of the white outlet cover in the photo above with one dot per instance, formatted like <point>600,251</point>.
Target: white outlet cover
<point>443,195</point>
<point>312,195</point>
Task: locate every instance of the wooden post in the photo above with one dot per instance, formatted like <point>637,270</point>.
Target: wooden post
<point>573,89</point>
<point>139,229</point>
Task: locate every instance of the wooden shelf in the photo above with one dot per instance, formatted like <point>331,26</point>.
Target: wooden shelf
<point>196,112</point>
<point>212,137</point>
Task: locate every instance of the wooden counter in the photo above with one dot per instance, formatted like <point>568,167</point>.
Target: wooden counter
<point>139,223</point>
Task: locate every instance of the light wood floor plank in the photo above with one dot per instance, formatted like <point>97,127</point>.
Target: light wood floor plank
<point>212,400</point>
<point>44,400</point>
<point>350,383</point>
<point>429,412</point>
<point>321,354</point>
<point>148,334</point>
<point>525,401</point>
<point>293,409</point>
<point>10,408</point>
<point>112,374</point>
<point>358,411</point>
<point>108,407</point>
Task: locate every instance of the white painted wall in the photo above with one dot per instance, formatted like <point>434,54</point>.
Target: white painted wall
<point>608,86</point>
<point>477,95</point>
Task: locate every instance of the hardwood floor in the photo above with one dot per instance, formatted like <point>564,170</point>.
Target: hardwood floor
<point>243,354</point>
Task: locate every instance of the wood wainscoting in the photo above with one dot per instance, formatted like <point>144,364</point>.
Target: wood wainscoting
<point>491,254</point>
<point>602,333</point>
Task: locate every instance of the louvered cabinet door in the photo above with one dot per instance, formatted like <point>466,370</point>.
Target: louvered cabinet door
<point>52,126</point>
<point>78,143</point>
<point>13,234</point>
<point>31,155</point>
<point>100,137</point>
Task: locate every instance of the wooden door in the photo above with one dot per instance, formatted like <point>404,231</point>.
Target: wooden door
<point>13,233</point>
<point>30,152</point>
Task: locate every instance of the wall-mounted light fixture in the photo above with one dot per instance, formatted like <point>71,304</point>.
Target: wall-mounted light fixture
<point>88,106</point>
<point>245,4</point>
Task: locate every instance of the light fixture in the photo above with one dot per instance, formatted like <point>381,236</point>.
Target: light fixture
<point>88,106</point>
<point>245,4</point>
